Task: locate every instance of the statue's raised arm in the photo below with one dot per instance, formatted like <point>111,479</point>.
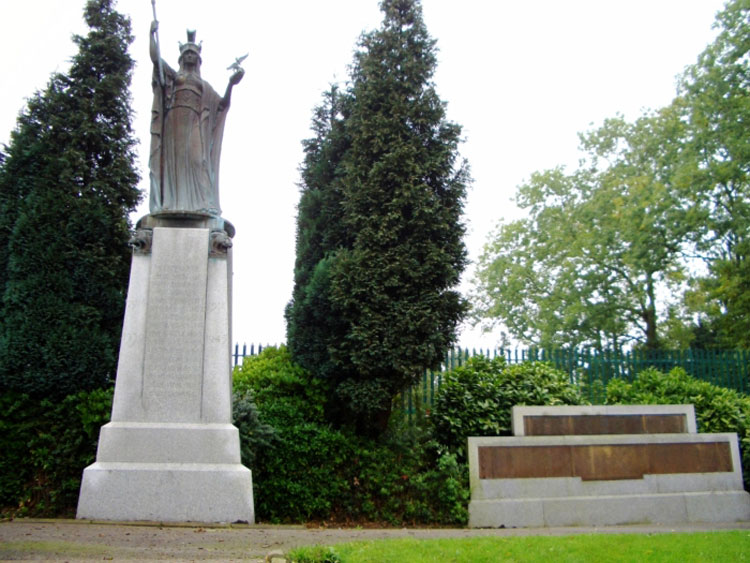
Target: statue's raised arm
<point>233,81</point>
<point>187,127</point>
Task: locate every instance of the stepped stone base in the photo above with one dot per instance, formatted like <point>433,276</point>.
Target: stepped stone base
<point>166,492</point>
<point>660,508</point>
<point>153,442</point>
<point>169,472</point>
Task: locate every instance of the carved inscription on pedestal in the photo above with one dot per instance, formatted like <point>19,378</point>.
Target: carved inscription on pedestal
<point>601,462</point>
<point>588,424</point>
<point>175,325</point>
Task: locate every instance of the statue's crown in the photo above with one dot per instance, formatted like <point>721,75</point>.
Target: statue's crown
<point>191,45</point>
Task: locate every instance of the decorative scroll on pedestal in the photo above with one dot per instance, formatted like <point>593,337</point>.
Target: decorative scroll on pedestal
<point>220,243</point>
<point>221,231</point>
<point>141,241</point>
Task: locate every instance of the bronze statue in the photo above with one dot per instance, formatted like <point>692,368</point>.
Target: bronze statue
<point>187,125</point>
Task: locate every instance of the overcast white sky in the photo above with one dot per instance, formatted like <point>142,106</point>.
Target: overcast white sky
<point>521,77</point>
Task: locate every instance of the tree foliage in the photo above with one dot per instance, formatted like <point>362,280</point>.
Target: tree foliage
<point>716,91</point>
<point>613,252</point>
<point>67,185</point>
<point>45,444</point>
<point>320,233</point>
<point>585,266</point>
<point>379,245</point>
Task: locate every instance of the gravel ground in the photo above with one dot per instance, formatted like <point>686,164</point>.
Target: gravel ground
<point>77,540</point>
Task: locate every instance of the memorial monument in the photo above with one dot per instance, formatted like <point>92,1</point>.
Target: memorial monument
<point>605,466</point>
<point>170,452</point>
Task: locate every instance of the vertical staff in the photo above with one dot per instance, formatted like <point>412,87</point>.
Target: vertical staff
<point>158,47</point>
<point>162,88</point>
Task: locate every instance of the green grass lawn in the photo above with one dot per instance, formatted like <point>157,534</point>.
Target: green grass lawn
<point>678,547</point>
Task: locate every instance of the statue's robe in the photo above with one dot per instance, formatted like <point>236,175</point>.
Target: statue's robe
<point>187,126</point>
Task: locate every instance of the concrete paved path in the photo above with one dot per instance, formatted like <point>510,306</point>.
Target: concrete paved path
<point>77,540</point>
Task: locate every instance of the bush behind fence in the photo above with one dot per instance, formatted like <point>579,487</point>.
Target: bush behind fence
<point>590,369</point>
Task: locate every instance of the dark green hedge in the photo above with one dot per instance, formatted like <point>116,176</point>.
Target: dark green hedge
<point>476,399</point>
<point>45,445</point>
<point>304,469</point>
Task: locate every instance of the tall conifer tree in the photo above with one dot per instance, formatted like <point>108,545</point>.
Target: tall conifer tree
<point>312,324</point>
<point>67,186</point>
<point>391,282</point>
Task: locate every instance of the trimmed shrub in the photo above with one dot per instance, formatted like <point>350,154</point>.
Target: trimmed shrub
<point>476,399</point>
<point>304,469</point>
<point>283,438</point>
<point>284,391</point>
<point>404,479</point>
<point>45,446</point>
<point>717,409</point>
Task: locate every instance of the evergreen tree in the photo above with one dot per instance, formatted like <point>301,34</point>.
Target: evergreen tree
<point>320,233</point>
<point>67,185</point>
<point>389,282</point>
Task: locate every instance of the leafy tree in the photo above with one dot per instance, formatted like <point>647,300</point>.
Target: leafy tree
<point>585,267</point>
<point>654,200</point>
<point>716,92</point>
<point>68,184</point>
<point>388,305</point>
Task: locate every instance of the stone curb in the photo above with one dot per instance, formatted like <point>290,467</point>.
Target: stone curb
<point>156,524</point>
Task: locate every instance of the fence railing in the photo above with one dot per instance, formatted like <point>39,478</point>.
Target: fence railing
<point>590,369</point>
<point>238,355</point>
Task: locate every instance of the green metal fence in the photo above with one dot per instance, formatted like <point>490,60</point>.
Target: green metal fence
<point>588,368</point>
<point>592,369</point>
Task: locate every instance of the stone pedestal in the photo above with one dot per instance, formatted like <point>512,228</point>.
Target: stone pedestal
<point>171,452</point>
